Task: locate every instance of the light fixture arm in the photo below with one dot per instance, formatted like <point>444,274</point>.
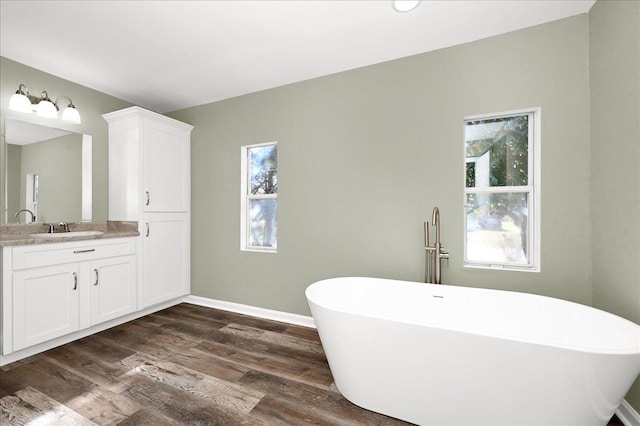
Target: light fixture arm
<point>20,92</point>
<point>44,96</point>
<point>71,105</point>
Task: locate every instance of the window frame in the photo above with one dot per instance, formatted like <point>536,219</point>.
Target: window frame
<point>533,189</point>
<point>245,200</point>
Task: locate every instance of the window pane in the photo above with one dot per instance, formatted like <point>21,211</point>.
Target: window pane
<point>497,228</point>
<point>263,174</point>
<point>497,151</point>
<point>263,224</point>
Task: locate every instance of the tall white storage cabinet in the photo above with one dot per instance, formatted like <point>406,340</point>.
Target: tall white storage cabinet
<point>150,182</point>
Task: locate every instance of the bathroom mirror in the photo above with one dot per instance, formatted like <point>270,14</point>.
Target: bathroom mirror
<point>47,172</point>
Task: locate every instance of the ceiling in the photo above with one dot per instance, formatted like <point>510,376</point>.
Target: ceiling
<point>169,55</point>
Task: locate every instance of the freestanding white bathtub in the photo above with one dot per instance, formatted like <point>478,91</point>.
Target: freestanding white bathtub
<point>446,355</point>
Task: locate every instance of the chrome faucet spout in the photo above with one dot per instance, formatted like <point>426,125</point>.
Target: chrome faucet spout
<point>435,219</point>
<point>33,216</point>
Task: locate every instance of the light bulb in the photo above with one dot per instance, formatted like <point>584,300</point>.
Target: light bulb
<point>405,5</point>
<point>71,115</point>
<point>45,107</point>
<point>19,101</point>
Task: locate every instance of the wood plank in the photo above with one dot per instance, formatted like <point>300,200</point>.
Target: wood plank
<point>276,346</point>
<point>29,406</point>
<point>328,407</point>
<point>182,407</point>
<point>81,363</point>
<point>9,383</point>
<point>282,412</point>
<point>216,391</point>
<point>109,352</point>
<point>195,311</point>
<point>280,339</point>
<point>182,314</point>
<point>146,417</point>
<point>207,364</point>
<point>104,407</point>
<point>306,333</point>
<point>142,338</point>
<point>267,345</point>
<point>278,365</point>
<point>52,380</point>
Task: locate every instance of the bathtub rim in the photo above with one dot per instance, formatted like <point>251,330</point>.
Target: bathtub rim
<point>625,351</point>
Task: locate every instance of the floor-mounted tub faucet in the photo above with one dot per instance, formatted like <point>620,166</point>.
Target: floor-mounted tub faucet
<point>435,254</point>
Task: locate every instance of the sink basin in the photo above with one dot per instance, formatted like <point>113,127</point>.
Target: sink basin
<point>63,235</point>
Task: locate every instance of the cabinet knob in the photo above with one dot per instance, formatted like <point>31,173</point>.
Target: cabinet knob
<point>147,229</point>
<point>75,281</point>
<point>148,198</point>
<point>97,276</point>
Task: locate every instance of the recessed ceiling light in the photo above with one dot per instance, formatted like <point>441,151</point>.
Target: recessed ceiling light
<point>405,5</point>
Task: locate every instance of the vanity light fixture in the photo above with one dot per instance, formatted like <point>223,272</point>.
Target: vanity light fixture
<point>405,5</point>
<point>22,101</point>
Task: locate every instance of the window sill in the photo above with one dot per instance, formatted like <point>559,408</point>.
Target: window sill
<point>259,250</point>
<point>497,267</point>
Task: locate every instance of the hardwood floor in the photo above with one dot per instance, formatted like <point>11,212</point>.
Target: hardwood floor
<point>183,365</point>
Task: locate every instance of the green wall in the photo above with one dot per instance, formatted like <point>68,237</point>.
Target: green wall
<point>615,156</point>
<point>365,155</point>
<point>91,104</point>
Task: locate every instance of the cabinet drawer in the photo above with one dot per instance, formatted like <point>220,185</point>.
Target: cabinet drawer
<point>55,254</point>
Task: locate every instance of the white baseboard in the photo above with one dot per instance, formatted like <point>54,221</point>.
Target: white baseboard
<point>627,414</point>
<point>238,308</point>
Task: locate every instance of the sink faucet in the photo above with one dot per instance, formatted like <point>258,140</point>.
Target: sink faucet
<point>63,227</point>
<point>33,217</point>
<point>435,254</point>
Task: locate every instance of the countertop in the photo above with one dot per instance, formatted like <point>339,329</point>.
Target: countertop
<point>17,235</point>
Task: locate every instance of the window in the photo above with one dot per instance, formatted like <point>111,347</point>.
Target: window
<point>259,203</point>
<point>502,220</point>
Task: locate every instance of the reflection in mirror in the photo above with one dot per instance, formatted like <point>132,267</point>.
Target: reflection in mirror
<point>44,174</point>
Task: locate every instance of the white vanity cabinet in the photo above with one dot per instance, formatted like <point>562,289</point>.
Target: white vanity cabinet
<point>165,166</point>
<point>52,290</point>
<point>165,258</point>
<point>113,288</point>
<point>149,182</point>
<point>45,305</point>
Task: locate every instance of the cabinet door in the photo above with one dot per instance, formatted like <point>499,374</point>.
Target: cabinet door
<point>165,247</point>
<point>166,177</point>
<point>113,288</point>
<point>45,304</point>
